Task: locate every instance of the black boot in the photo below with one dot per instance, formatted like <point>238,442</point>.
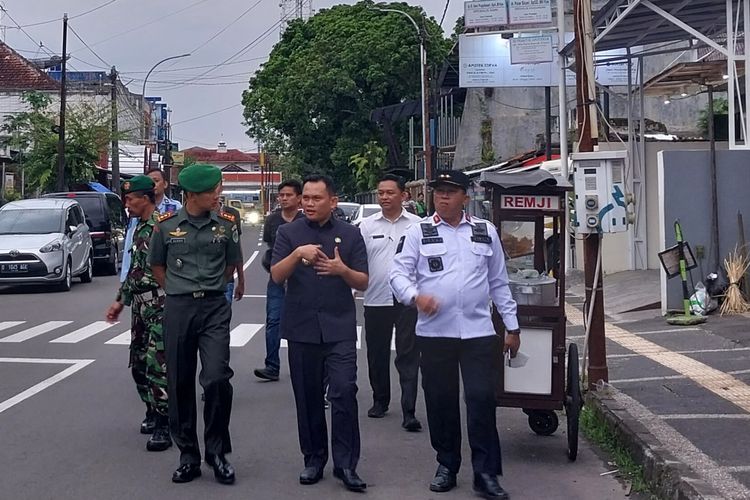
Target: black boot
<point>160,439</point>
<point>148,424</point>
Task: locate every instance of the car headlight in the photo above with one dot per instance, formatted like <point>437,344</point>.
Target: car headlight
<point>55,246</point>
<point>253,217</point>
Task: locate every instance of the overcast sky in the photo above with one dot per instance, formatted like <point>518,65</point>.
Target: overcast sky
<point>135,34</point>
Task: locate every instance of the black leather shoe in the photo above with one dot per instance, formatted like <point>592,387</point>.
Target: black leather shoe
<point>486,485</point>
<point>149,423</point>
<point>223,470</point>
<point>444,480</point>
<point>310,475</point>
<point>186,473</point>
<point>351,480</point>
<point>266,374</point>
<point>411,424</point>
<point>160,439</point>
<point>377,411</point>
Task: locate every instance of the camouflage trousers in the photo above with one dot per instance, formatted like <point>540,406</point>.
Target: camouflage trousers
<point>148,363</point>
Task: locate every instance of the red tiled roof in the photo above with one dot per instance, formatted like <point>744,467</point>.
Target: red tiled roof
<point>213,156</point>
<point>17,73</point>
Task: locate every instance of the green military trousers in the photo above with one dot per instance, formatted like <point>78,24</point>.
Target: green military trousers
<point>147,359</point>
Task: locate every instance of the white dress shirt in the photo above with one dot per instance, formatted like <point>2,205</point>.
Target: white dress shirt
<point>381,239</point>
<point>463,268</point>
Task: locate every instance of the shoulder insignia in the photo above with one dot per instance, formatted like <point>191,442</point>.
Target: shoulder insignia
<point>168,215</point>
<point>227,216</point>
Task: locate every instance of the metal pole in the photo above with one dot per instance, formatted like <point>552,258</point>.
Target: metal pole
<point>143,91</point>
<point>61,132</point>
<point>115,155</point>
<point>714,181</point>
<point>548,123</point>
<point>562,119</point>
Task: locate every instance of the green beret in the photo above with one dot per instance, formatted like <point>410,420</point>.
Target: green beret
<point>199,178</point>
<point>138,183</point>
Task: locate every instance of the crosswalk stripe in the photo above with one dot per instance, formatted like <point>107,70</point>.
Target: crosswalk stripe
<point>35,331</point>
<point>243,333</point>
<point>122,339</point>
<point>4,325</point>
<point>83,333</point>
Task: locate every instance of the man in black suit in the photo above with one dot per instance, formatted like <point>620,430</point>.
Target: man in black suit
<point>321,259</point>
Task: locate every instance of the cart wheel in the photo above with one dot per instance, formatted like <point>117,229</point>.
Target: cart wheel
<point>543,422</point>
<point>573,401</point>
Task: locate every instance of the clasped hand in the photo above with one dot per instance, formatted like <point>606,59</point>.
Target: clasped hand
<point>312,255</point>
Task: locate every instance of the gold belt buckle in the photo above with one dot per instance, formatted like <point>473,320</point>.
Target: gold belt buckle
<point>199,294</point>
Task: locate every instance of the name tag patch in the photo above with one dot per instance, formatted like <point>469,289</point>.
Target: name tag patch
<point>481,239</point>
<point>173,241</point>
<point>378,236</point>
<point>435,264</point>
<point>429,241</point>
<point>400,244</point>
<point>479,234</point>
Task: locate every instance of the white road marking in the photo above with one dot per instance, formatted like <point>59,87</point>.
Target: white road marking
<point>263,296</point>
<point>696,351</point>
<point>122,339</point>
<point>76,364</point>
<point>35,331</point>
<point>250,260</point>
<point>4,325</point>
<point>243,333</point>
<point>83,333</point>
<point>701,416</point>
<point>260,244</point>
<point>666,377</point>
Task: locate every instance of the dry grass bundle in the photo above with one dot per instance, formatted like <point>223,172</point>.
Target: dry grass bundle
<point>736,264</point>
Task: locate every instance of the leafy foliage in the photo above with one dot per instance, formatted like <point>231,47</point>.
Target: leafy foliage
<point>33,132</point>
<point>368,166</point>
<point>312,100</point>
<point>721,107</point>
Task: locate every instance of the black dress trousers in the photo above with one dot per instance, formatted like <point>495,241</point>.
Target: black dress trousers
<point>478,359</point>
<point>308,364</point>
<point>379,324</point>
<point>198,326</point>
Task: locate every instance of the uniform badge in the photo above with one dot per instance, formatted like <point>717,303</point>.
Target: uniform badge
<point>178,233</point>
<point>400,244</point>
<point>337,240</point>
<point>235,234</point>
<point>178,262</point>
<point>479,234</point>
<point>429,231</point>
<point>435,264</point>
<point>126,185</point>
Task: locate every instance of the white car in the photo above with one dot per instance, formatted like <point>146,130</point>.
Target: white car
<point>365,210</point>
<point>44,241</point>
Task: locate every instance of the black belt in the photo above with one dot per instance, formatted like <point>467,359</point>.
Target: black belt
<point>200,294</point>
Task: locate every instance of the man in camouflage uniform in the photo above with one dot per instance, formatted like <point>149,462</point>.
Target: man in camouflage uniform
<point>141,291</point>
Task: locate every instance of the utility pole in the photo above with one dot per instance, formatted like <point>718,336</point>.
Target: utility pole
<point>588,133</point>
<point>61,132</point>
<point>115,155</point>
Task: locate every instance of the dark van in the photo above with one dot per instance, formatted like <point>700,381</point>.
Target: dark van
<point>107,220</point>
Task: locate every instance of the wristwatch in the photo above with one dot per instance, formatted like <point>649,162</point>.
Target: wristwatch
<point>517,331</point>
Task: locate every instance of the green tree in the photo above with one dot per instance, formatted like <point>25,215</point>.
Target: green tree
<point>312,100</point>
<point>33,132</point>
<point>721,107</point>
<point>368,166</point>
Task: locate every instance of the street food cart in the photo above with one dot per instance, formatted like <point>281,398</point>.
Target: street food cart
<point>529,210</point>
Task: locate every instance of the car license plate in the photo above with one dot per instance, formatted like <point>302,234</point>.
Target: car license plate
<point>14,268</point>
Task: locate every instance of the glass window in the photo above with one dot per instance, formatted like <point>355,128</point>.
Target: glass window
<point>40,221</point>
<point>114,205</point>
<point>94,213</point>
<point>518,244</point>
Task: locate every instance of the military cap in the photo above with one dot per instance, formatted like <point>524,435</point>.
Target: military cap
<point>199,178</point>
<point>452,177</point>
<point>138,183</point>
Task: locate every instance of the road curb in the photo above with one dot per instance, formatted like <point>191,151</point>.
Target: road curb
<point>667,477</point>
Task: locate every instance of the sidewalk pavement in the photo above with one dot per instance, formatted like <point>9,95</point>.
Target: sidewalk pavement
<point>678,396</point>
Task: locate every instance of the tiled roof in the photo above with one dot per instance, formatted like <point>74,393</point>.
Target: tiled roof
<point>213,156</point>
<point>18,73</point>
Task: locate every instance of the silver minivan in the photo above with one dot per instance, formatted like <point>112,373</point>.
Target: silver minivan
<point>44,241</point>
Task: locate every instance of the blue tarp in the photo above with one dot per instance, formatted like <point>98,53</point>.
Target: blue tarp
<point>100,188</point>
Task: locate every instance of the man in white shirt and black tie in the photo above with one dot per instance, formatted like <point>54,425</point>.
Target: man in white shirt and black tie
<point>450,266</point>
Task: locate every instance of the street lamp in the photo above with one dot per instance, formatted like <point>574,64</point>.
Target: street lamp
<point>425,102</point>
<point>143,92</point>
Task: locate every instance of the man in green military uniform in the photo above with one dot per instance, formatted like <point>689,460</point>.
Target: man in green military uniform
<point>142,292</point>
<point>193,253</point>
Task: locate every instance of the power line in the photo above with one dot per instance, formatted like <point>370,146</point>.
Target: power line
<point>206,114</point>
<point>193,67</point>
<point>87,45</point>
<point>445,10</point>
<point>153,21</point>
<point>70,18</point>
<point>222,30</point>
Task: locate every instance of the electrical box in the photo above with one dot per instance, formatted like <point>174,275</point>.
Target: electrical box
<point>600,192</point>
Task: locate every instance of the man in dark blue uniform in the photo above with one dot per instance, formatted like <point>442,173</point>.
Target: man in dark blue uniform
<point>321,259</point>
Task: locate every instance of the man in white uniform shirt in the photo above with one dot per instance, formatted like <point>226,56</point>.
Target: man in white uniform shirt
<point>450,266</point>
<point>382,232</point>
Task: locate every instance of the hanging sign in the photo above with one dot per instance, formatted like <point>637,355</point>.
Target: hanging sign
<point>483,13</point>
<point>529,202</point>
<point>531,50</point>
<point>529,11</point>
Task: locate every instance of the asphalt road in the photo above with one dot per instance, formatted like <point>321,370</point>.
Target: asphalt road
<point>69,418</point>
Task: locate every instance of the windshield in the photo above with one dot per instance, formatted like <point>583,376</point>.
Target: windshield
<point>93,210</point>
<point>350,209</point>
<point>35,221</point>
<point>368,211</point>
